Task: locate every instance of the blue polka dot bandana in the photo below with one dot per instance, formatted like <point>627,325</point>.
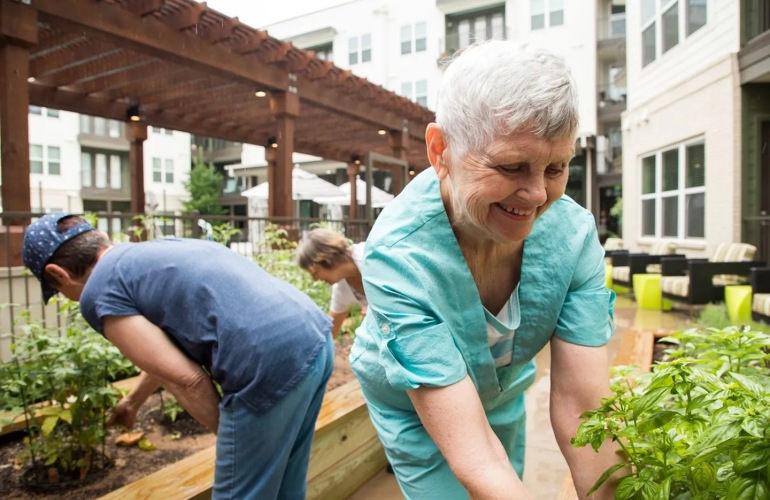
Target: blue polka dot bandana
<point>42,240</point>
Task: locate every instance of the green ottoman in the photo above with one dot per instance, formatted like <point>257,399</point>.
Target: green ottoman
<point>647,292</point>
<point>738,302</point>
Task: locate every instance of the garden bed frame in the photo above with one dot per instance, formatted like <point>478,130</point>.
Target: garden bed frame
<point>346,453</point>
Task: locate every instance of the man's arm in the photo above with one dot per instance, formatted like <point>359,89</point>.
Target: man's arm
<point>151,350</point>
<point>579,380</point>
<point>125,412</point>
<point>455,420</point>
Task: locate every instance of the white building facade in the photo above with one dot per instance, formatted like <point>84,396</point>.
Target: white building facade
<point>687,168</point>
<point>80,163</point>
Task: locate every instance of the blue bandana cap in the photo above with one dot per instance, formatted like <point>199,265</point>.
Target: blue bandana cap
<point>42,240</point>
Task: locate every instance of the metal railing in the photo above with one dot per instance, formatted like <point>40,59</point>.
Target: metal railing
<point>20,290</point>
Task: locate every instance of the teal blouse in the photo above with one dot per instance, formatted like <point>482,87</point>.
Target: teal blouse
<point>426,325</point>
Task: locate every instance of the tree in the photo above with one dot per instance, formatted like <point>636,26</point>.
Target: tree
<point>204,186</point>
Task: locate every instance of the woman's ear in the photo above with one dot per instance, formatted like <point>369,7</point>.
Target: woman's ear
<point>436,144</point>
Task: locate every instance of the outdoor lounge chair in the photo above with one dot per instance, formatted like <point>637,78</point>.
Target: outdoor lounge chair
<point>702,281</point>
<point>625,264</point>
<point>760,287</point>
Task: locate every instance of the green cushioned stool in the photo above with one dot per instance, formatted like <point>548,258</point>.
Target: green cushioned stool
<point>738,302</point>
<point>647,292</point>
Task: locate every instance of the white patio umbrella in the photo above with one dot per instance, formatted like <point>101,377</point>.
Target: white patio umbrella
<point>304,185</point>
<point>380,198</point>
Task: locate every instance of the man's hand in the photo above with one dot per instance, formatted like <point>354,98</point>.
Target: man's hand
<point>124,413</point>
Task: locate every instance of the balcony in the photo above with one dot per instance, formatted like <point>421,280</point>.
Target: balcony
<point>611,103</point>
<point>216,150</point>
<point>754,56</point>
<point>611,36</point>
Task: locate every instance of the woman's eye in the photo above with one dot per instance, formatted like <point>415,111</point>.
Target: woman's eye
<point>510,169</point>
<point>556,170</point>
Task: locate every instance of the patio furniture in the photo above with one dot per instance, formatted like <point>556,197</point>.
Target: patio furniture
<point>647,292</point>
<point>760,285</point>
<point>625,265</point>
<point>702,281</point>
<point>738,303</point>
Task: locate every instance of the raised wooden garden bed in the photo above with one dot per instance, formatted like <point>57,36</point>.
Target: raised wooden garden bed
<point>346,453</point>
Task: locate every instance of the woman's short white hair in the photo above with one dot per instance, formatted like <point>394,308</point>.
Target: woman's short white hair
<point>494,88</point>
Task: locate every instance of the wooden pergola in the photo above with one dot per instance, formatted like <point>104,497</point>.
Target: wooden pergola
<point>184,66</point>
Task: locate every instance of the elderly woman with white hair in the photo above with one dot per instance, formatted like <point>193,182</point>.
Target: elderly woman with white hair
<point>475,267</point>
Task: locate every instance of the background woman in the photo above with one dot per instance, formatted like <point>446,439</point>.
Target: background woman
<point>329,257</point>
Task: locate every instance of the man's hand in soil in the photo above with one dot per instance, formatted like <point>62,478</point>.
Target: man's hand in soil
<point>125,411</point>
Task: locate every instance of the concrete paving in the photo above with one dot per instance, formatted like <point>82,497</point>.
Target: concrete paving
<point>545,467</point>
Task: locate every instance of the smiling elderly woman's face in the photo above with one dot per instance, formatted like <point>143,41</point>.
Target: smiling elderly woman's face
<point>499,193</point>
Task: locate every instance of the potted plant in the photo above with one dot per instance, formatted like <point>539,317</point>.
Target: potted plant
<point>697,426</point>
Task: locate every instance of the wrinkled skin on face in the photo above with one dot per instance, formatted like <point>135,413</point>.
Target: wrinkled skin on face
<point>498,193</point>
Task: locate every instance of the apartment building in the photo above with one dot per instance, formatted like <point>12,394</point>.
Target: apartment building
<point>80,163</point>
<point>697,124</point>
<point>404,46</point>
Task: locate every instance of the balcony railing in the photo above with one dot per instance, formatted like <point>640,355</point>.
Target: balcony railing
<point>613,26</point>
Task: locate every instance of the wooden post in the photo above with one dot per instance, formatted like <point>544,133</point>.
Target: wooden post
<point>398,140</point>
<point>137,134</point>
<point>18,32</point>
<point>353,170</point>
<point>285,107</point>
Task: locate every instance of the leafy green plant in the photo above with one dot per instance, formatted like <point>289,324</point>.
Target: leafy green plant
<point>170,407</point>
<point>224,232</point>
<point>58,380</point>
<point>204,185</point>
<point>276,256</point>
<point>698,426</point>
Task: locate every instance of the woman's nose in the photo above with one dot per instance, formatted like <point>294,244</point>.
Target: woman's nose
<point>534,189</point>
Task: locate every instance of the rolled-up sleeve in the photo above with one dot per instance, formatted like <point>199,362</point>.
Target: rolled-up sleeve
<point>415,347</point>
<point>586,317</point>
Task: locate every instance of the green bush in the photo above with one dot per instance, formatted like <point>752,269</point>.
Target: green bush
<point>59,380</point>
<point>698,426</point>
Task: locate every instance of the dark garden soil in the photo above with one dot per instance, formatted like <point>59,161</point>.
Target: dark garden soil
<point>172,441</point>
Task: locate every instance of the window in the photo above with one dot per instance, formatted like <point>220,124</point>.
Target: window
<point>161,174</point>
<point>35,110</point>
<point>169,171</point>
<point>157,170</point>
<point>420,38</point>
<point>464,29</point>
<point>674,192</point>
<point>102,169</point>
<point>54,160</point>
<point>417,91</point>
<point>537,14</point>
<point>359,49</point>
<point>53,113</point>
<point>366,48</point>
<point>100,126</point>
<point>36,159</point>
<point>696,15</point>
<point>538,8</point>
<point>44,159</point>
<point>665,23</point>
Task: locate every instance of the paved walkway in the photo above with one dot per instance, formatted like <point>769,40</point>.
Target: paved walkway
<point>545,468</point>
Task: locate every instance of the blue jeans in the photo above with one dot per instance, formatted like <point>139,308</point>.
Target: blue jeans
<point>265,456</point>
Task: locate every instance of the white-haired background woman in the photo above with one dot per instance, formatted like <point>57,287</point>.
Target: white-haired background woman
<point>479,264</point>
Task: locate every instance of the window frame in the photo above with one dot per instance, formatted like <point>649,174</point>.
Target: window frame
<point>682,192</point>
<point>546,14</point>
<point>656,22</point>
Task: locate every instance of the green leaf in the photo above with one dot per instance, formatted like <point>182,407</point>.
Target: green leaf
<point>749,384</point>
<point>703,477</point>
<point>145,444</point>
<point>715,435</point>
<point>49,424</point>
<point>650,399</point>
<point>656,421</point>
<point>755,456</point>
<point>604,477</point>
<point>744,488</point>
